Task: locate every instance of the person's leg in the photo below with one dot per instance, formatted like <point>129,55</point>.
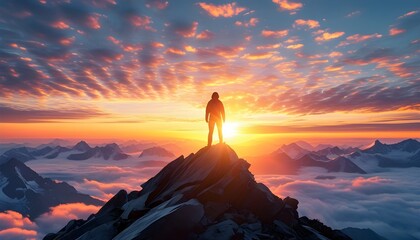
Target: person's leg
<point>220,130</point>
<point>211,128</point>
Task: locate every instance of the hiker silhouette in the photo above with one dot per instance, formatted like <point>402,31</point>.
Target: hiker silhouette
<point>215,113</point>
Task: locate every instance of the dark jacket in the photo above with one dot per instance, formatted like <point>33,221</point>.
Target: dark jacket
<point>215,110</point>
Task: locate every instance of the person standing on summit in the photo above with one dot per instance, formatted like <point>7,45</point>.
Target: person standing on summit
<point>215,113</point>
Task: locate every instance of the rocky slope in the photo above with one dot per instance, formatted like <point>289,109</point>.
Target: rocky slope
<point>208,195</point>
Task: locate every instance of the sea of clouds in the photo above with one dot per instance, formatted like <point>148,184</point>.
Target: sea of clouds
<point>387,202</point>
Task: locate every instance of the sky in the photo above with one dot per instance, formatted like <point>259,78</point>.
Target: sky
<point>145,69</point>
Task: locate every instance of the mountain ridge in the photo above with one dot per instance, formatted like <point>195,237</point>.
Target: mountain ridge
<point>207,195</point>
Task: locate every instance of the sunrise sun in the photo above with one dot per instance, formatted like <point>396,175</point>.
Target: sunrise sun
<point>230,130</point>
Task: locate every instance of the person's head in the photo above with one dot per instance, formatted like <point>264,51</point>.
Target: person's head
<point>215,95</point>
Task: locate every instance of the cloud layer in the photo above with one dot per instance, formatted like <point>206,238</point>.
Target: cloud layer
<point>385,202</point>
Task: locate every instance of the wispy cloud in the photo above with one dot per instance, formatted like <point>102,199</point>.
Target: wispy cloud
<point>13,115</point>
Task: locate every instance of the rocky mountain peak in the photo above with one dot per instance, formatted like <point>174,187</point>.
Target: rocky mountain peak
<point>82,146</point>
<point>208,195</point>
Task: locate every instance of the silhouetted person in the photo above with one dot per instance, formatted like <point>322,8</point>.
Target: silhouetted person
<point>215,113</point>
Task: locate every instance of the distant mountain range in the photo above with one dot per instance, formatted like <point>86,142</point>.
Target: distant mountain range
<point>379,155</point>
<point>23,190</point>
<point>80,151</point>
<point>288,159</point>
<point>156,152</point>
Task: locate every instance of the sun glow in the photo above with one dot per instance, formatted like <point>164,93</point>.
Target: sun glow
<point>230,130</point>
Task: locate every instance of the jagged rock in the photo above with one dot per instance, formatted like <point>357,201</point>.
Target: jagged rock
<point>208,195</point>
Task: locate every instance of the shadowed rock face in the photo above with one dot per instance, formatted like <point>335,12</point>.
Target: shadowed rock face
<point>208,195</point>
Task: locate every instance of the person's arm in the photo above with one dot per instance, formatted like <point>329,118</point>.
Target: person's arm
<point>207,112</point>
<point>222,111</point>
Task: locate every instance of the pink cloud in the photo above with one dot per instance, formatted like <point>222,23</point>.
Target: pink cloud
<point>113,40</point>
<point>92,21</point>
<point>251,23</point>
<point>288,5</point>
<point>67,41</point>
<point>408,14</point>
<point>361,181</point>
<point>159,4</point>
<point>274,34</point>
<point>224,10</point>
<point>396,31</point>
<point>356,38</point>
<point>175,51</point>
<point>309,23</point>
<point>142,22</point>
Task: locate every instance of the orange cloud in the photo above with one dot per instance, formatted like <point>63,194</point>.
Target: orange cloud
<point>221,51</point>
<point>274,34</point>
<point>225,10</point>
<point>287,5</point>
<point>206,34</point>
<point>67,41</point>
<point>326,36</point>
<point>10,219</point>
<point>72,210</point>
<point>132,47</point>
<point>258,56</point>
<point>335,54</point>
<point>60,25</point>
<point>295,46</point>
<point>395,31</point>
<point>189,48</point>
<point>332,68</point>
<point>14,225</point>
<point>310,23</point>
<point>269,46</point>
<point>18,233</point>
<point>251,23</point>
<point>157,44</point>
<point>175,51</point>
<point>361,181</point>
